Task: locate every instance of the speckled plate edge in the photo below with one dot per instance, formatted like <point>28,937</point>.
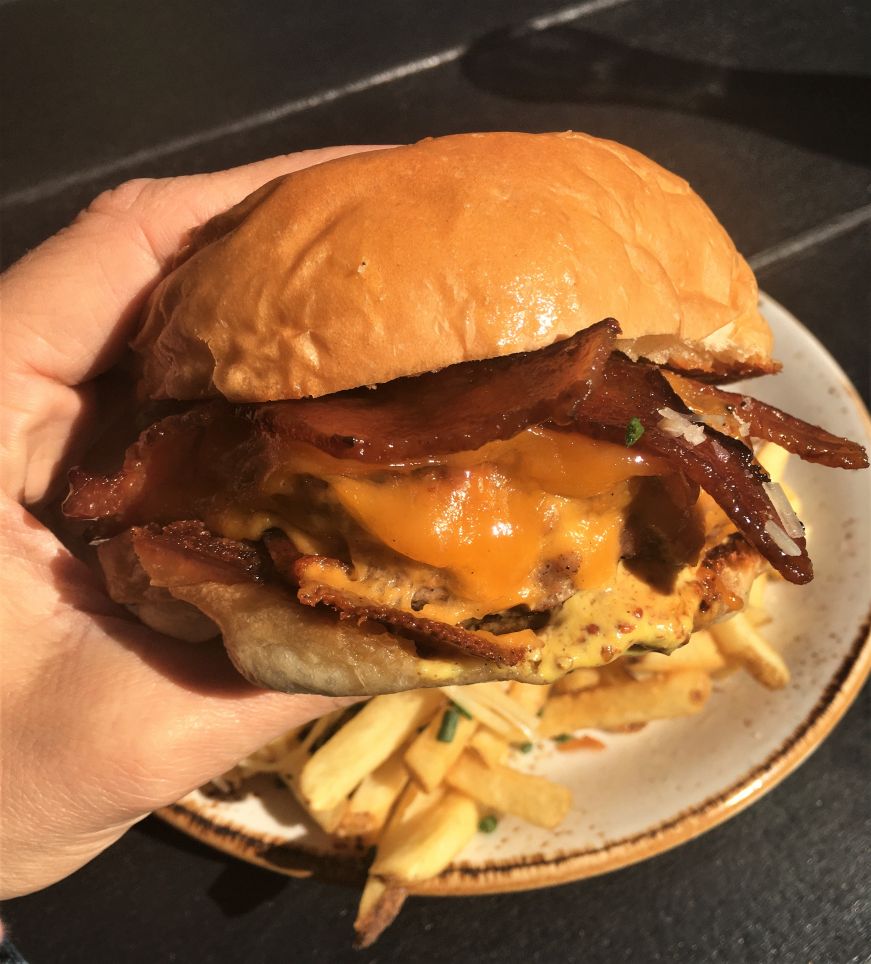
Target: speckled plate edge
<point>534,871</point>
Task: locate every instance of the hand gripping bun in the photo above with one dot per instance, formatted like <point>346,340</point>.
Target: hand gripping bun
<point>396,262</point>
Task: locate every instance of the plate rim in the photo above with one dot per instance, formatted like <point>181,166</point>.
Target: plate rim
<point>537,871</point>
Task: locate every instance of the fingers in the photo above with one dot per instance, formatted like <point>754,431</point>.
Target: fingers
<point>106,720</point>
<point>69,306</point>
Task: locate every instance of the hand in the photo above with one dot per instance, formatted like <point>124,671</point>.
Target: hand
<point>103,719</point>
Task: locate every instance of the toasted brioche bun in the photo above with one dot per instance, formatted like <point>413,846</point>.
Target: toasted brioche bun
<point>396,262</point>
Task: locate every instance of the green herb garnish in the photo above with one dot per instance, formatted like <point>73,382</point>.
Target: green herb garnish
<point>525,748</point>
<point>448,728</point>
<point>488,824</point>
<point>562,738</point>
<point>634,431</point>
<point>461,710</point>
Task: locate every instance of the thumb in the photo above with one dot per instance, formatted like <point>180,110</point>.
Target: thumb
<point>69,306</point>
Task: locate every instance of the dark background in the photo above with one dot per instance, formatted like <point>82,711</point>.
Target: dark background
<point>763,106</point>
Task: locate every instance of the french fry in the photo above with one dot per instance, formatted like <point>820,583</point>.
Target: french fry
<point>492,749</point>
<point>738,640</point>
<point>531,696</point>
<point>579,679</point>
<point>422,845</point>
<point>362,745</point>
<point>412,802</point>
<point>372,801</point>
<point>429,759</point>
<point>465,696</point>
<point>490,705</point>
<point>637,701</point>
<point>533,798</point>
<point>755,610</point>
<point>700,652</point>
<point>379,906</point>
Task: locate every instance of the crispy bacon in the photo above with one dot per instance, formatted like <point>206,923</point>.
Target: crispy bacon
<point>310,576</point>
<point>362,610</point>
<point>186,553</point>
<point>177,469</point>
<point>186,466</point>
<point>722,466</point>
<point>758,420</point>
<point>453,410</point>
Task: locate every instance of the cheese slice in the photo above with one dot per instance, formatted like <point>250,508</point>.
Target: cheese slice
<point>488,522</point>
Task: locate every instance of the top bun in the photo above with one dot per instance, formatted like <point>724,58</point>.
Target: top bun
<point>401,261</point>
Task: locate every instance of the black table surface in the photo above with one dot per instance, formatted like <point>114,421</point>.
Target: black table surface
<point>763,106</point>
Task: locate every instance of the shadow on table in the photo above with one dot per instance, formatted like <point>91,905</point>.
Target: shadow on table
<point>825,113</point>
<point>238,888</point>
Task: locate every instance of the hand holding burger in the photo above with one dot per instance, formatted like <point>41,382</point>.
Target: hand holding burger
<point>437,414</point>
<point>103,719</point>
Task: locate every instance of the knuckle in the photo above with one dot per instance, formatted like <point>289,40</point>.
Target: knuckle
<point>120,199</point>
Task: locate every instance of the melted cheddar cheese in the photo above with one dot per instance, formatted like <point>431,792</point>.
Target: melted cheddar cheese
<point>486,521</point>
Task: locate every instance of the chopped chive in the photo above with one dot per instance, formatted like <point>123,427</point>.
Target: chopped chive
<point>525,748</point>
<point>488,824</point>
<point>461,710</point>
<point>448,727</point>
<point>562,738</point>
<point>634,431</point>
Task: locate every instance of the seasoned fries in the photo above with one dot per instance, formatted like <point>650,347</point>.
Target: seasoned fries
<point>658,698</point>
<point>531,798</point>
<point>418,774</point>
<point>738,640</point>
<point>492,749</point>
<point>429,758</point>
<point>383,725</point>
<point>700,653</point>
<point>372,801</point>
<point>422,844</point>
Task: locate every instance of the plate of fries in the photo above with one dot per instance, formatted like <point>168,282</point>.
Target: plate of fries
<point>499,787</point>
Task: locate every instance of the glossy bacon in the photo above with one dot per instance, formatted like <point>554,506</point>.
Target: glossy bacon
<point>177,469</point>
<point>453,410</point>
<point>310,576</point>
<point>188,466</point>
<point>761,421</point>
<point>722,466</point>
<point>186,554</point>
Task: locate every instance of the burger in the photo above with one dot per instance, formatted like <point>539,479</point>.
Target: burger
<point>448,413</point>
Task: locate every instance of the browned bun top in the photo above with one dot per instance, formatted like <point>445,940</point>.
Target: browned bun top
<point>396,262</point>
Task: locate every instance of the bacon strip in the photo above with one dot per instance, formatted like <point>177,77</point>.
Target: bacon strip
<point>453,410</point>
<point>722,466</point>
<point>361,610</point>
<point>186,553</point>
<point>187,466</point>
<point>809,442</point>
<point>177,469</point>
<point>307,574</point>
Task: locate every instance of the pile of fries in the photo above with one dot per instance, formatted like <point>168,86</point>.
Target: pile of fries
<point>417,775</point>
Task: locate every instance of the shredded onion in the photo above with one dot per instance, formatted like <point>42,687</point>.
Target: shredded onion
<point>791,523</point>
<point>784,543</point>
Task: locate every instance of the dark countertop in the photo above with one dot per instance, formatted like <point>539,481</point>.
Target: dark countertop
<point>762,106</point>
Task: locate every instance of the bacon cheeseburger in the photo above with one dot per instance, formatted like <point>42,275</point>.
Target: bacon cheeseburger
<point>449,416</point>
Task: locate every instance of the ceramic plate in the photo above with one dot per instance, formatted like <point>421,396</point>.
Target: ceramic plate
<point>651,790</point>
